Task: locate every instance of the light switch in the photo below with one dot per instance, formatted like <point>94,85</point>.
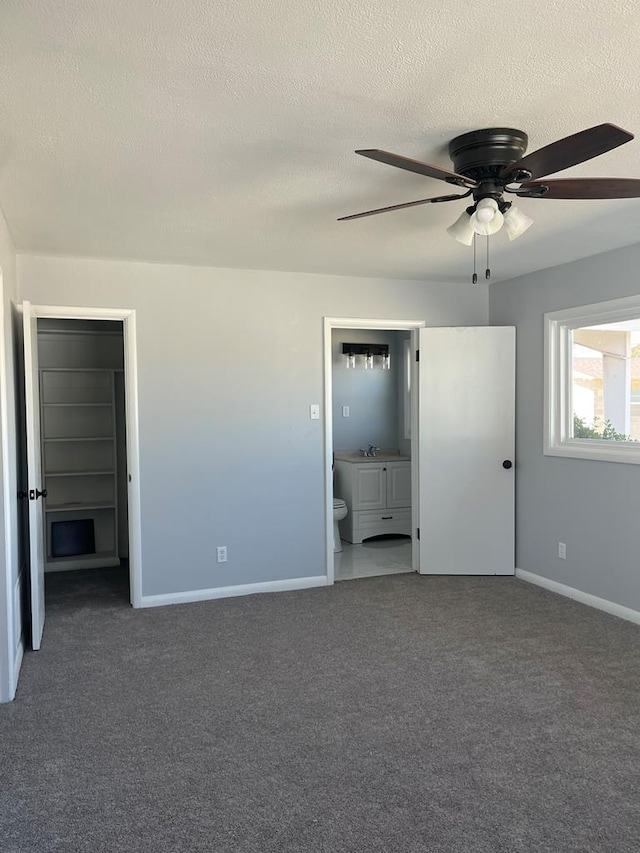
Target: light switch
<point>345,411</point>
<point>314,412</point>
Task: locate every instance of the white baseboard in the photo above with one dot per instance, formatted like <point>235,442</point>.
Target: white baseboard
<point>232,591</point>
<point>583,597</point>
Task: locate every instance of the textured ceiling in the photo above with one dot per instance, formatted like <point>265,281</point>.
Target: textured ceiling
<point>222,133</point>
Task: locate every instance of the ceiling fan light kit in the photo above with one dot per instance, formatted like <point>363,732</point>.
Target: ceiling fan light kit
<point>516,222</point>
<point>462,230</point>
<point>487,219</point>
<point>490,162</point>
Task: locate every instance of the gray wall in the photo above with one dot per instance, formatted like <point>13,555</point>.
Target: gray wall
<point>592,506</point>
<point>12,578</point>
<point>372,395</point>
<point>228,363</point>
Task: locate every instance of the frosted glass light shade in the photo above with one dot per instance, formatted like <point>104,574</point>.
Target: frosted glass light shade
<point>516,222</point>
<point>486,209</point>
<point>486,218</point>
<point>461,229</point>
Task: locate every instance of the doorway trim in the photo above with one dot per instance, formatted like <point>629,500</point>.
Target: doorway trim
<point>331,323</point>
<point>128,318</point>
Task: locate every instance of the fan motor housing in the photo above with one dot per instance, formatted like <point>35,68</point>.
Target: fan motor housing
<point>482,154</point>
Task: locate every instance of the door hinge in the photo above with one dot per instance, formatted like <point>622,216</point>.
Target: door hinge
<point>418,531</point>
<point>417,355</point>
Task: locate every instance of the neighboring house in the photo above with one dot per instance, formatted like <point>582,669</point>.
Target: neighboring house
<point>588,374</point>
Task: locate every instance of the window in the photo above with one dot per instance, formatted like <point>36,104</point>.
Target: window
<point>592,390</point>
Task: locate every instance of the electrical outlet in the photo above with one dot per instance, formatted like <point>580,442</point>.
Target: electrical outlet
<point>222,553</point>
<point>345,412</point>
<point>562,550</point>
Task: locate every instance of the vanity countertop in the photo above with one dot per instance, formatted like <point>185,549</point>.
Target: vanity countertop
<point>382,456</point>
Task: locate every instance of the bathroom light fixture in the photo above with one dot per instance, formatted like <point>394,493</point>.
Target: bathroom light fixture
<point>369,352</point>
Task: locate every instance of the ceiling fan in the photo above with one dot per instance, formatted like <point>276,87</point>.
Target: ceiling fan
<point>491,162</point>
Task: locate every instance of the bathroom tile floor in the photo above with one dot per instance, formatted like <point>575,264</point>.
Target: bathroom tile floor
<point>372,558</point>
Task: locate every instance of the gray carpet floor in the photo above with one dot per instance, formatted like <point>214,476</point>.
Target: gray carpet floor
<point>396,714</point>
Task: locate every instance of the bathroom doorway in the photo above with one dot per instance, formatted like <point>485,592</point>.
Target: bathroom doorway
<point>370,428</point>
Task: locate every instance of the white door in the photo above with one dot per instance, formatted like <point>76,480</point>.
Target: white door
<point>466,450</point>
<point>34,470</point>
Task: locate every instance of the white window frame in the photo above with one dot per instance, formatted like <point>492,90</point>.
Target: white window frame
<point>558,414</point>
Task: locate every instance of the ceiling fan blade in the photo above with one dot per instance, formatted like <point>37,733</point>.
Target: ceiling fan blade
<point>583,188</point>
<point>570,151</point>
<point>402,206</point>
<point>417,166</point>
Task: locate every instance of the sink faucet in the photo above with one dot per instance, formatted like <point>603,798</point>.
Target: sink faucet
<point>371,451</point>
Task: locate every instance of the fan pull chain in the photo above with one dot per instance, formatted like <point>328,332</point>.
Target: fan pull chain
<point>487,272</point>
<point>474,278</point>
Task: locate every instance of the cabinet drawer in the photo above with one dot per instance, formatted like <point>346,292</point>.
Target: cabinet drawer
<point>383,521</point>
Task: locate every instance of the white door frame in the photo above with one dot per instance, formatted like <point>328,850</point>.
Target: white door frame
<point>10,650</point>
<point>331,323</point>
<point>128,318</point>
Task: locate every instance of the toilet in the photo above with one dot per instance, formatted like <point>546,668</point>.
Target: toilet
<point>339,512</point>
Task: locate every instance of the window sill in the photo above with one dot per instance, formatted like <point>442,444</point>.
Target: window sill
<point>599,451</point>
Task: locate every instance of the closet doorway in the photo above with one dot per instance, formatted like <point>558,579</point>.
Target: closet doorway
<point>81,428</point>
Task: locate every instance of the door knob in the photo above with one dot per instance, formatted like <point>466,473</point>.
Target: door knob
<point>507,464</point>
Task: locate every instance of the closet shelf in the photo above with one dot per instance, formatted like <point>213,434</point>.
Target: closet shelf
<point>80,449</point>
<point>81,438</point>
<point>81,370</point>
<point>78,405</point>
<point>78,505</point>
<point>88,473</point>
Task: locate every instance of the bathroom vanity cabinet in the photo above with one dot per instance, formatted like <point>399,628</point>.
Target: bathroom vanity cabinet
<point>377,492</point>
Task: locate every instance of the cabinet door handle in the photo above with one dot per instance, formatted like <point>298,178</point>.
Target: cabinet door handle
<point>386,517</point>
